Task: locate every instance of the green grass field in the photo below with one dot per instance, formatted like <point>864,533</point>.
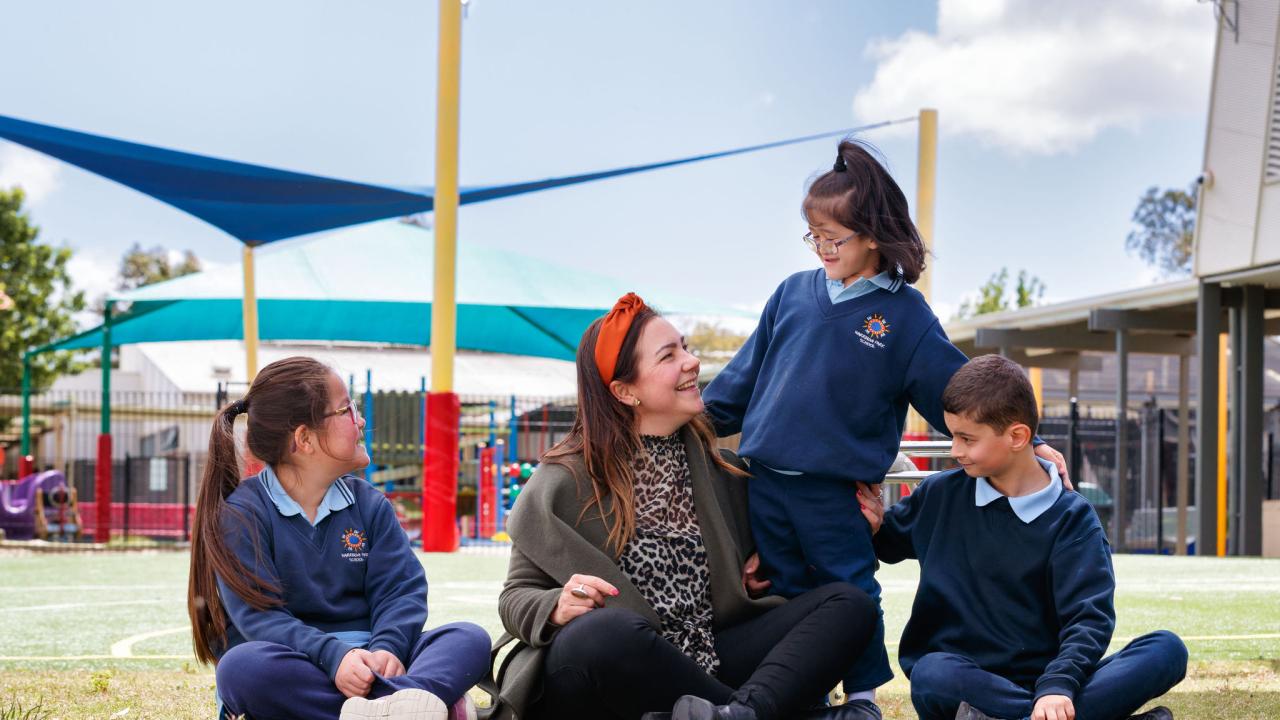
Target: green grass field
<point>106,635</point>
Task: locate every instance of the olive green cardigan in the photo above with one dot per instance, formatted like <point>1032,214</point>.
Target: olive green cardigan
<point>550,545</point>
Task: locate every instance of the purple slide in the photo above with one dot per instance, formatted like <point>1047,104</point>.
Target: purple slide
<point>18,502</point>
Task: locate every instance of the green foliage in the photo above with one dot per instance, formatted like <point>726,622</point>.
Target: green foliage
<point>34,276</point>
<point>100,681</point>
<point>141,267</point>
<point>1165,230</point>
<point>995,296</point>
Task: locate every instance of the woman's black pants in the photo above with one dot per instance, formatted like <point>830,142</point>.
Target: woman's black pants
<point>610,663</point>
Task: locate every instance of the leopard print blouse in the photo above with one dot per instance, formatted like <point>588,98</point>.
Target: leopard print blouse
<point>666,559</point>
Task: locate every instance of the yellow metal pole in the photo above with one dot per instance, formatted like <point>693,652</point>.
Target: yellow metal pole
<point>444,297</point>
<point>1222,445</point>
<point>926,186</point>
<point>926,192</point>
<point>250,312</point>
<point>1036,376</point>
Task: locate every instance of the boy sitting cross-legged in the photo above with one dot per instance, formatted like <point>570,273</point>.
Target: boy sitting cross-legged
<point>1014,608</point>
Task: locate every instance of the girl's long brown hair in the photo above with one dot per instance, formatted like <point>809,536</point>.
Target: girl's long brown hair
<point>286,394</point>
<point>605,437</point>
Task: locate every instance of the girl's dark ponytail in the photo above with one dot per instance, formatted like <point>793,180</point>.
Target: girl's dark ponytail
<point>210,556</point>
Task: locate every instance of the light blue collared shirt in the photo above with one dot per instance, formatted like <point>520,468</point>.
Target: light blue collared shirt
<point>839,293</point>
<point>337,497</point>
<point>1026,507</point>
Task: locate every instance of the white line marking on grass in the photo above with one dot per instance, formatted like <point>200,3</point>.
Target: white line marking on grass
<point>124,648</point>
<point>68,606</point>
<point>52,658</point>
<point>1185,638</point>
<point>53,588</point>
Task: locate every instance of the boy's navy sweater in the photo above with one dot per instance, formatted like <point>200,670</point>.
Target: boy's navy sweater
<point>353,571</point>
<point>1031,602</point>
<point>823,389</point>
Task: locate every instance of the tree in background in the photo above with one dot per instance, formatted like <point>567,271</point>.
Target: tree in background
<point>994,295</point>
<point>141,267</point>
<point>41,301</point>
<point>709,339</point>
<point>1165,228</point>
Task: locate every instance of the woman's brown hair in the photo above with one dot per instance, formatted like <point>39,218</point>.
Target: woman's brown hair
<point>859,193</point>
<point>604,434</point>
<point>286,394</point>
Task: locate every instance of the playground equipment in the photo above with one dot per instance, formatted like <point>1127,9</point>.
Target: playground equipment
<point>39,506</point>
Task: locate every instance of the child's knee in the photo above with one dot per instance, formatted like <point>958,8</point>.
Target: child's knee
<point>1174,652</point>
<point>466,641</point>
<point>934,676</point>
<point>241,671</point>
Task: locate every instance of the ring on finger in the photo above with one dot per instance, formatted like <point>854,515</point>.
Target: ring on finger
<point>580,591</point>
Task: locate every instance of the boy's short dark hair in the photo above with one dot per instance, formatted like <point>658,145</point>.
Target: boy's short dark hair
<point>992,390</point>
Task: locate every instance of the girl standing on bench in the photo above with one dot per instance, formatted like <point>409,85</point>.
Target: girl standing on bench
<point>303,588</point>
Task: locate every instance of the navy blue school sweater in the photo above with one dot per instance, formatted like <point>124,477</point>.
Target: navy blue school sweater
<point>823,389</point>
<point>353,571</point>
<point>1031,602</point>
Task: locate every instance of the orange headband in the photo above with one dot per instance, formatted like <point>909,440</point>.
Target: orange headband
<point>613,331</point>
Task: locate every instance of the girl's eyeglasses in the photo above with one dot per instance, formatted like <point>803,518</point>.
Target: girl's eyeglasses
<point>825,247</point>
<point>348,409</point>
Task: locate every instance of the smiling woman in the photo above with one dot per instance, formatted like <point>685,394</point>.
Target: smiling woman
<point>633,585</point>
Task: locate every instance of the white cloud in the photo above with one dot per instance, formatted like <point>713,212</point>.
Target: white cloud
<point>1039,77</point>
<point>38,175</point>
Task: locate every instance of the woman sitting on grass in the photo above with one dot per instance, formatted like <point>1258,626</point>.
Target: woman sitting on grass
<point>303,588</point>
<point>631,587</point>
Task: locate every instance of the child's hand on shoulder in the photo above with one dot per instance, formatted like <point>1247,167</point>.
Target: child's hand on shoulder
<point>1054,707</point>
<point>355,677</point>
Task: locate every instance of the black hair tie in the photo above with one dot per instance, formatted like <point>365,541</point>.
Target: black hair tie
<point>238,407</point>
<point>839,166</point>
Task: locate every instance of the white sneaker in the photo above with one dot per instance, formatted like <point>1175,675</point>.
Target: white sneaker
<point>411,704</point>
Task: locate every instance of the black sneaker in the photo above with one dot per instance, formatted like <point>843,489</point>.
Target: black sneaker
<point>1156,713</point>
<point>852,710</point>
<point>969,712</point>
<point>696,708</point>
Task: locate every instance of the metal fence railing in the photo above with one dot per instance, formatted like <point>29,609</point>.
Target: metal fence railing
<point>160,444</point>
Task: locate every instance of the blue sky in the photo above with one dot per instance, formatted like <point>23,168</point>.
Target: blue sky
<point>1054,121</point>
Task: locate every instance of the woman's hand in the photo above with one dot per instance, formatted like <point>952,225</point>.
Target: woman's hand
<point>755,585</point>
<point>1047,453</point>
<point>579,596</point>
<point>355,677</point>
<point>385,664</point>
<point>871,500</point>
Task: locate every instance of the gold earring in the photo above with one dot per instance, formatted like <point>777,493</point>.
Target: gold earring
<point>636,402</point>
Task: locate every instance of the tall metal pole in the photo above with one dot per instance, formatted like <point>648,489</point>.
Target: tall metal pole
<point>440,461</point>
<point>25,464</point>
<point>249,311</point>
<point>102,468</point>
<point>926,191</point>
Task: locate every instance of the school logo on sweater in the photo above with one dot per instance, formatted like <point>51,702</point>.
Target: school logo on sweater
<point>873,328</point>
<point>354,545</point>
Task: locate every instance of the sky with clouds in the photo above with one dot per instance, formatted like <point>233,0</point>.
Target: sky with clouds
<point>1054,118</point>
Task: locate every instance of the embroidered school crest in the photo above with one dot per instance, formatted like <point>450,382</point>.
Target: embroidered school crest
<point>355,547</point>
<point>876,326</point>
